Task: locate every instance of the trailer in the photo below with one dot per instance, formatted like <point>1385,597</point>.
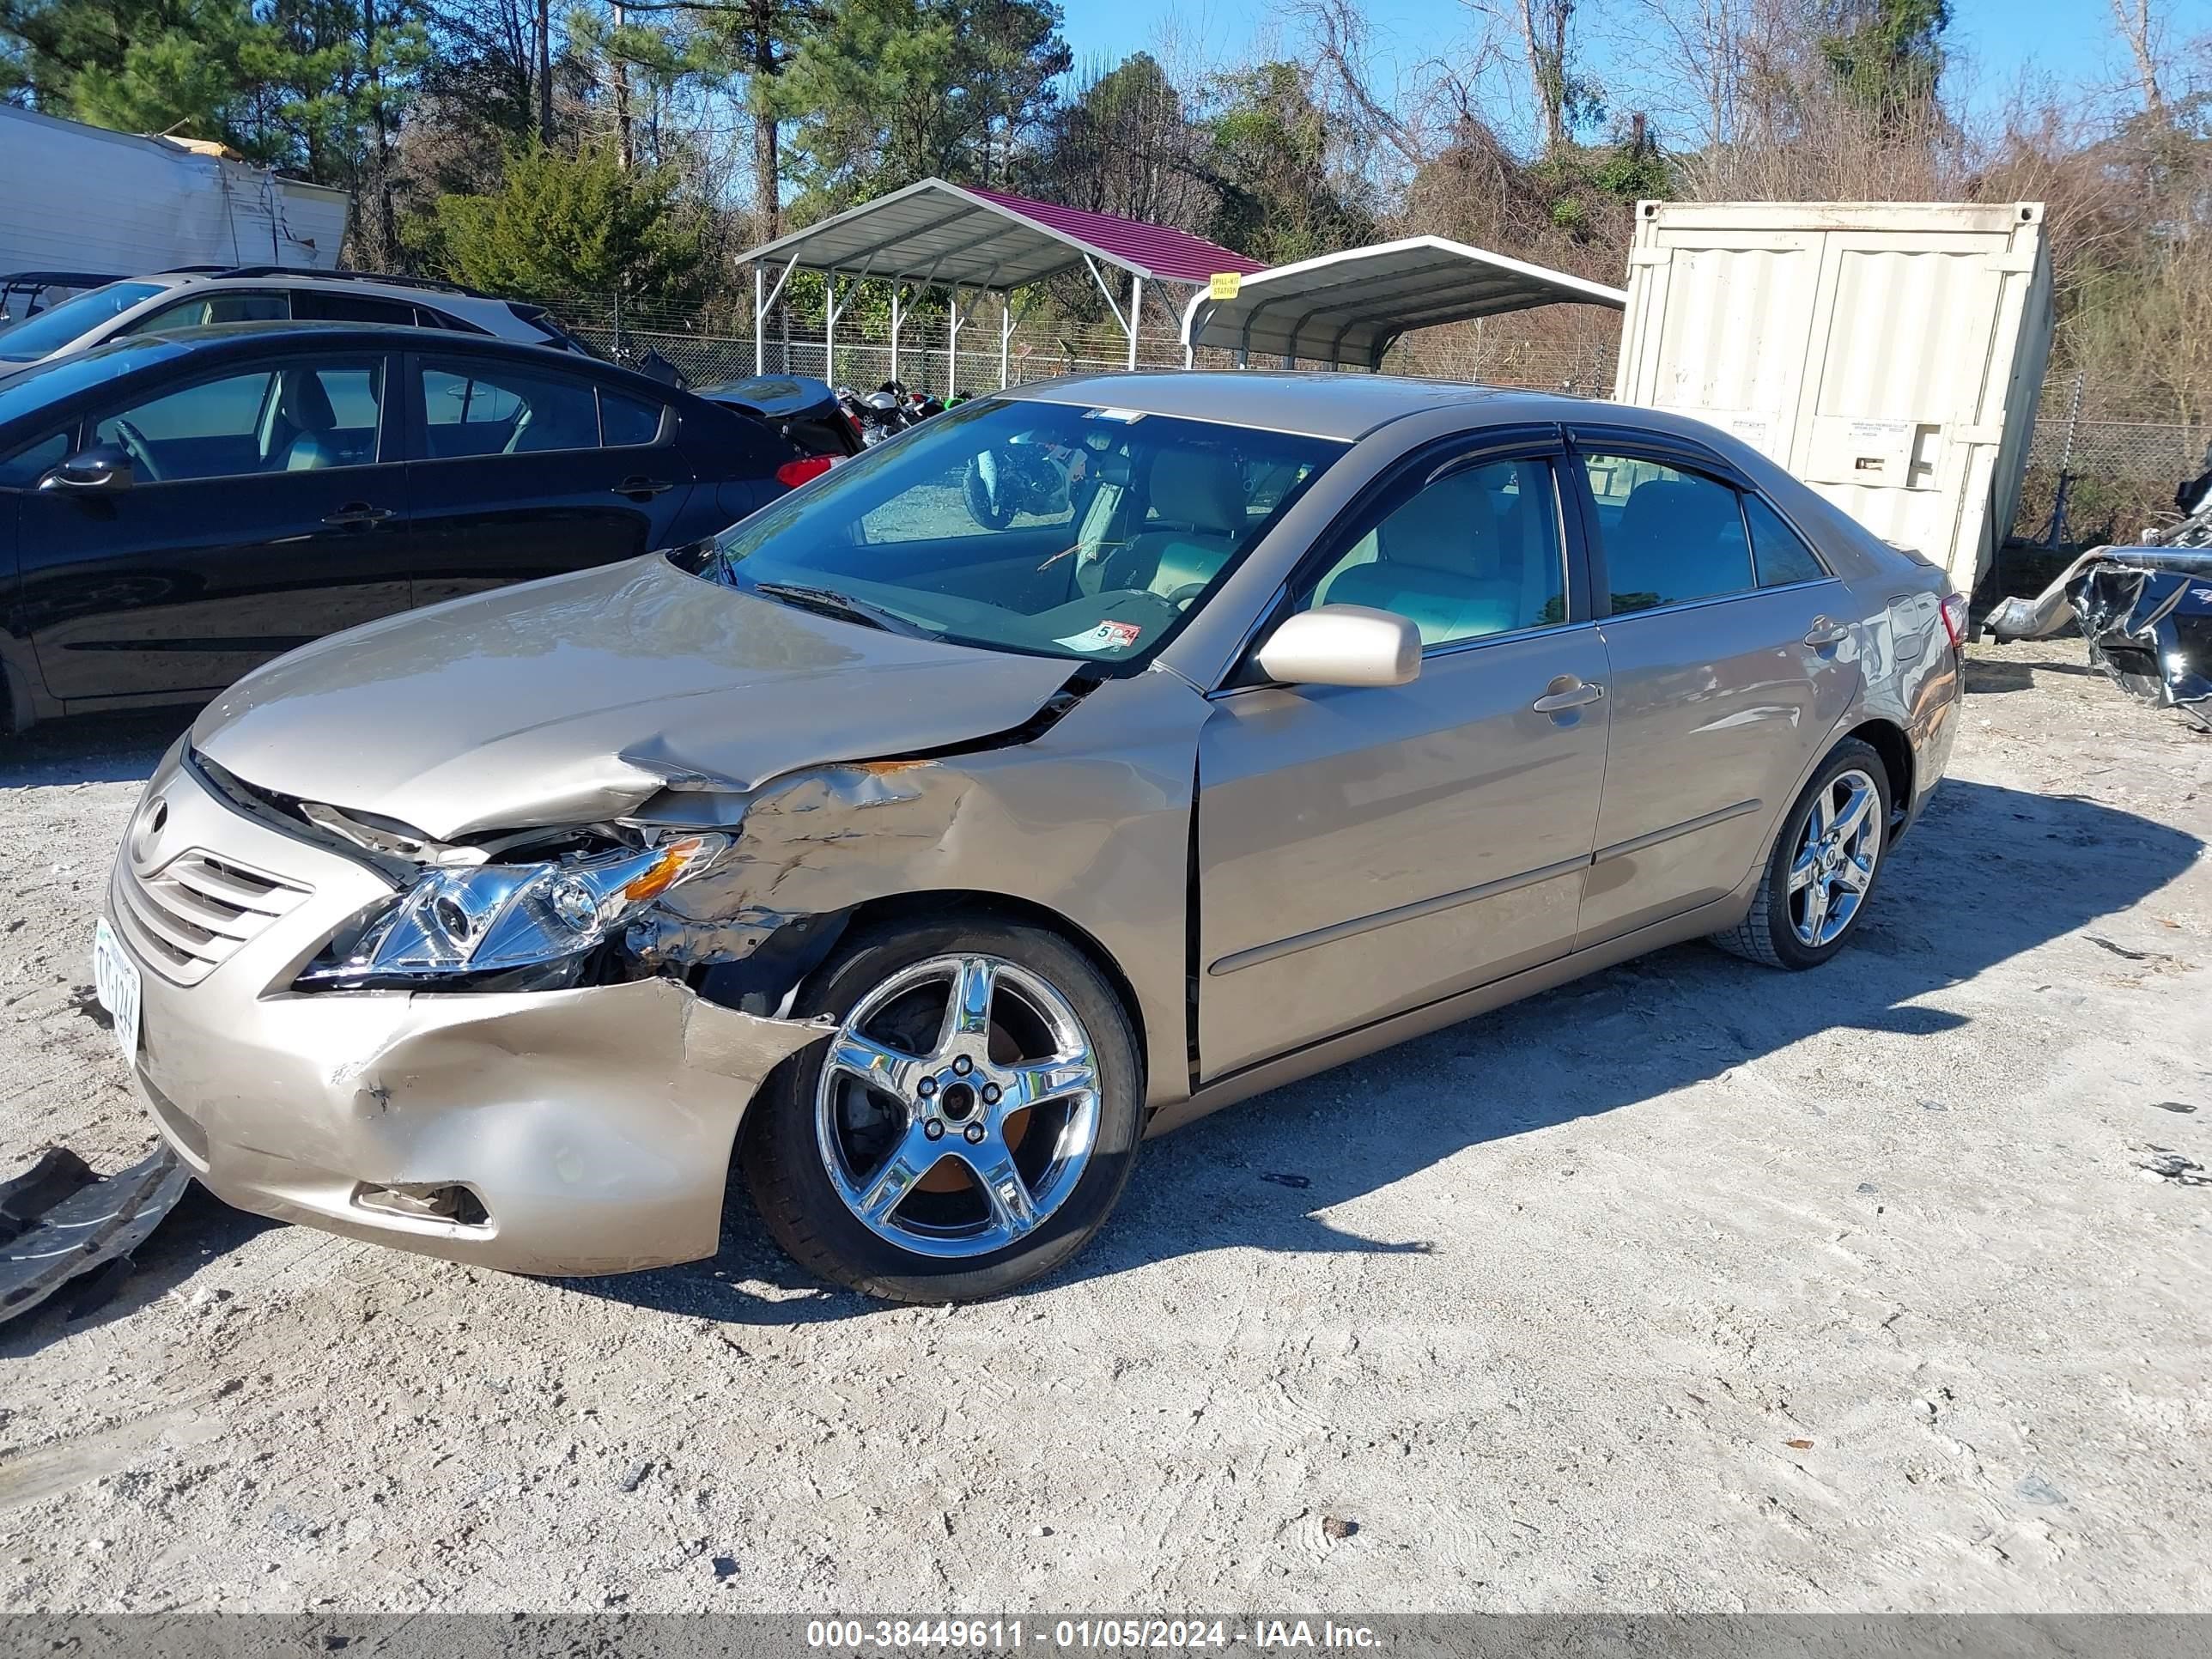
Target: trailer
<point>79,198</point>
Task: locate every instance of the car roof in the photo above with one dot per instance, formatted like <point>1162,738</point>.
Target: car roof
<point>130,355</point>
<point>1319,405</point>
<point>437,296</point>
<point>1345,406</point>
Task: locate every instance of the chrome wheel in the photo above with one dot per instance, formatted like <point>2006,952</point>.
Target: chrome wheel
<point>1837,846</point>
<point>958,1106</point>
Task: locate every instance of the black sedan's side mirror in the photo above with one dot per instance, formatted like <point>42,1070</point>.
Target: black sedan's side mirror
<point>103,467</point>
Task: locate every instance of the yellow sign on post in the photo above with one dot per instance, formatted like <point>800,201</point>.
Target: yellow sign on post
<point>1224,285</point>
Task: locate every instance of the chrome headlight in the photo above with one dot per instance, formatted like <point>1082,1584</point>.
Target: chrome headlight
<point>496,917</point>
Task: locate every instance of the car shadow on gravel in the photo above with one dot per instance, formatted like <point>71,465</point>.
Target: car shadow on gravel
<point>1985,674</point>
<point>1987,874</point>
<point>91,749</point>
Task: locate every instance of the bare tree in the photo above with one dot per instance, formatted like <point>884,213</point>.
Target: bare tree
<point>1338,30</point>
<point>2144,30</point>
<point>1545,30</point>
<point>545,72</point>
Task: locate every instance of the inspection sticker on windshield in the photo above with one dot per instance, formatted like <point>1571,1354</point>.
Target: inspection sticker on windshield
<point>1107,637</point>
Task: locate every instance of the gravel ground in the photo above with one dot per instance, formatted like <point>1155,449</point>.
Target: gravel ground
<point>1693,1286</point>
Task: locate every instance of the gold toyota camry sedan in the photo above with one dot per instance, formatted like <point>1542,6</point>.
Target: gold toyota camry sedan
<point>1092,755</point>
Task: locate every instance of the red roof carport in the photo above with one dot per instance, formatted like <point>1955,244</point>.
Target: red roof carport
<point>939,234</point>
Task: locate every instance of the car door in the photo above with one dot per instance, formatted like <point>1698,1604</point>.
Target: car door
<point>1727,674</point>
<point>521,469</point>
<point>267,508</point>
<point>1364,850</point>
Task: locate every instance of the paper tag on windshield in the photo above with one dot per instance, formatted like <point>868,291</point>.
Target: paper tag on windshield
<point>1107,637</point>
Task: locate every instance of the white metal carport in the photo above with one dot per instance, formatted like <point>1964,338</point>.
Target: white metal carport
<point>1349,308</point>
<point>936,234</point>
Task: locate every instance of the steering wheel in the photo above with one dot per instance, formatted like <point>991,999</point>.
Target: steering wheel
<point>134,445</point>
<point>1180,598</point>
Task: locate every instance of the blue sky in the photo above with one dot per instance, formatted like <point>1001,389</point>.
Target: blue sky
<point>2069,41</point>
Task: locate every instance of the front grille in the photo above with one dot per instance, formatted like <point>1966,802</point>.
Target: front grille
<point>193,914</point>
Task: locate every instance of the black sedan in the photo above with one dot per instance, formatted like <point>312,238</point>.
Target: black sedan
<point>177,509</point>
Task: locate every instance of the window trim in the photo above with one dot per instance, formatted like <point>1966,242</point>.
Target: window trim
<point>1692,461</point>
<point>1684,455</point>
<point>89,422</point>
<point>417,363</point>
<point>1399,483</point>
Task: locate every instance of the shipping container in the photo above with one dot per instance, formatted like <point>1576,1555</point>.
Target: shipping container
<point>1889,355</point>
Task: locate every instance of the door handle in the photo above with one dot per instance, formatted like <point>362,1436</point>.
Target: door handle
<point>1824,632</point>
<point>642,486</point>
<point>1568,696</point>
<point>357,515</point>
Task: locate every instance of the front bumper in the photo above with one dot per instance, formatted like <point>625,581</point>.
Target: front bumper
<point>593,1127</point>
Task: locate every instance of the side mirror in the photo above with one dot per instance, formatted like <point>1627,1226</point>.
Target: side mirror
<point>103,467</point>
<point>1342,645</point>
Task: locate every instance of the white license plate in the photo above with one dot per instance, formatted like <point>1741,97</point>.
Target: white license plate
<point>115,982</point>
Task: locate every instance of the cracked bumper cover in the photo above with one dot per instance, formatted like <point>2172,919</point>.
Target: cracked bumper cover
<point>594,1126</point>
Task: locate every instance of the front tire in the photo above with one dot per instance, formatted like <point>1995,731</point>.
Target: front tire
<point>968,1128</point>
<point>1821,874</point>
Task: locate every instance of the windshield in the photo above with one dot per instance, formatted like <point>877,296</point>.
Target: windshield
<point>1052,529</point>
<point>33,337</point>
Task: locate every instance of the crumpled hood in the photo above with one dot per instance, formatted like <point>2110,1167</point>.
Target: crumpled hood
<point>575,699</point>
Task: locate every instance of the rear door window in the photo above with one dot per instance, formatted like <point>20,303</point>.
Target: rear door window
<point>1670,536</point>
<point>472,409</point>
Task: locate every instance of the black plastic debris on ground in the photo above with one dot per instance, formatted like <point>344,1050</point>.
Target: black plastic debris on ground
<point>2150,627</point>
<point>59,1223</point>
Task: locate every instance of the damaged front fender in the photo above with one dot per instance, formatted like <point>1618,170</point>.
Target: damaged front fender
<point>1085,816</point>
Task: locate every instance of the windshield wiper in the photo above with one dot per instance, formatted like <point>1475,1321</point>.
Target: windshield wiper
<point>830,603</point>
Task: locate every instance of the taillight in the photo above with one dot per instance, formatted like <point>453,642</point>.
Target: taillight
<point>1954,618</point>
<point>791,474</point>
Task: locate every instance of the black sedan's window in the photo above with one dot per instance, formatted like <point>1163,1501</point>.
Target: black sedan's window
<point>471,409</point>
<point>296,418</point>
<point>627,420</point>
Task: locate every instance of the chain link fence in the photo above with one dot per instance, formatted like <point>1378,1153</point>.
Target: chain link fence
<point>2088,477</point>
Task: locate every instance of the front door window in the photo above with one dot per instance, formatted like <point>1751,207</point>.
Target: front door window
<point>1475,552</point>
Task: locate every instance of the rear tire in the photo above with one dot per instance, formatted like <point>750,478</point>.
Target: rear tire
<point>1823,871</point>
<point>881,1158</point>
